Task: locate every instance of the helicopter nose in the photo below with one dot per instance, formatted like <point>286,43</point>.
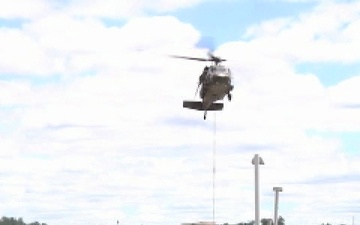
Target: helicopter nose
<point>222,78</point>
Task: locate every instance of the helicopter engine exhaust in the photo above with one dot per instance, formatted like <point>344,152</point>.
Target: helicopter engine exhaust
<point>199,106</point>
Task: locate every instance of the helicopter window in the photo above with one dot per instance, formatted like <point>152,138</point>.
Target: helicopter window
<point>222,70</point>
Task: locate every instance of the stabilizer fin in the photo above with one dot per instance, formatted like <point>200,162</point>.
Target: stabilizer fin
<point>199,106</point>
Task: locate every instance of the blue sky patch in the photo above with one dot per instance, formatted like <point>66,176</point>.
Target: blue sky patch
<point>11,23</point>
<point>228,20</point>
<point>109,22</point>
<point>350,141</point>
<point>35,80</point>
<point>330,73</point>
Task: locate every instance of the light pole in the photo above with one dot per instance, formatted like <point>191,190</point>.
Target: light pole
<point>257,161</point>
<point>276,207</point>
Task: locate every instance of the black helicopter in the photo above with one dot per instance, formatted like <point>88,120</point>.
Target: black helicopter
<point>215,82</point>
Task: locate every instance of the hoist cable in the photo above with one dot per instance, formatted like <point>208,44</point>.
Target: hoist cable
<point>214,166</point>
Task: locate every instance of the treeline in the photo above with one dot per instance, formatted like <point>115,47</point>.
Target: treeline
<point>264,221</point>
<point>17,221</point>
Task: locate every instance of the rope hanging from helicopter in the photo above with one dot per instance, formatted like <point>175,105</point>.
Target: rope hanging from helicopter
<point>214,166</point>
<point>219,84</point>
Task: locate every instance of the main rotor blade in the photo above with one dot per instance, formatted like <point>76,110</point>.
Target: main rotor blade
<point>190,58</point>
<point>215,58</point>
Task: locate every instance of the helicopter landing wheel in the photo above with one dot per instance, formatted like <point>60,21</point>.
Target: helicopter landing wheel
<point>205,116</point>
<point>229,97</point>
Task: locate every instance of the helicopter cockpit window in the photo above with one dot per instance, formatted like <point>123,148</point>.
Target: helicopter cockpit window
<point>217,70</point>
<point>224,70</point>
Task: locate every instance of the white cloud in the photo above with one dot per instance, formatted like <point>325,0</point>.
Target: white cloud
<point>23,9</point>
<point>61,44</point>
<point>268,86</point>
<point>126,9</point>
<point>19,49</point>
<point>111,145</point>
<point>316,36</point>
<point>109,9</point>
<point>346,93</point>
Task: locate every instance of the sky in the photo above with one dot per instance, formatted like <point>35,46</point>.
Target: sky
<point>92,128</point>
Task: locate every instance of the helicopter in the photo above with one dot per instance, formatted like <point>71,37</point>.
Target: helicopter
<point>215,82</point>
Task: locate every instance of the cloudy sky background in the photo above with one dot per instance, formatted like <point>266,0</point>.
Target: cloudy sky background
<point>92,128</point>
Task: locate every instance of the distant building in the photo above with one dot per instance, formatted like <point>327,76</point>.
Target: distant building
<point>200,223</point>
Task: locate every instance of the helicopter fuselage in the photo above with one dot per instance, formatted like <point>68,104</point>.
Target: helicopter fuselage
<point>215,82</point>
<point>215,92</point>
<point>215,85</point>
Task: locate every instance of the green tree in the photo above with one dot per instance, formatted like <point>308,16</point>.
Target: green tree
<point>16,221</point>
<point>281,221</point>
<point>251,222</point>
<point>34,223</point>
<point>266,221</point>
